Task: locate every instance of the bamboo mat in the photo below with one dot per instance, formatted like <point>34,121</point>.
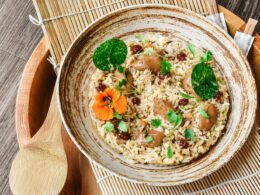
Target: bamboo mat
<point>63,20</point>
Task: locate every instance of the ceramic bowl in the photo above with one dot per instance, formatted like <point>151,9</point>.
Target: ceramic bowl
<point>77,68</point>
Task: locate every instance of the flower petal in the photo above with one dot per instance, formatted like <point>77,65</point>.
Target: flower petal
<point>100,98</point>
<point>113,93</point>
<point>103,112</point>
<point>120,105</point>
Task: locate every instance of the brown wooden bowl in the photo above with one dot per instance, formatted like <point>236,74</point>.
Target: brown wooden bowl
<point>77,67</point>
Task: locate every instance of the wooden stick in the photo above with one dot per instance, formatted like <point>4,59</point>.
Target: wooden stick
<point>250,26</point>
<point>212,7</point>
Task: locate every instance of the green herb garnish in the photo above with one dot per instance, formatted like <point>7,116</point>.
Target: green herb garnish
<point>171,115</point>
<point>117,116</point>
<point>122,82</point>
<point>192,49</point>
<point>189,134</point>
<point>185,96</point>
<point>174,118</point>
<point>204,81</point>
<point>206,57</point>
<point>140,38</point>
<point>165,67</point>
<point>178,121</point>
<point>149,51</point>
<point>156,123</point>
<point>110,54</point>
<point>122,126</point>
<point>145,133</point>
<point>109,127</point>
<point>203,113</point>
<point>120,68</point>
<point>149,139</point>
<point>169,152</point>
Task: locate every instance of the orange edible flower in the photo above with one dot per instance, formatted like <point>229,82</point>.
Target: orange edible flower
<point>107,102</point>
<point>120,105</point>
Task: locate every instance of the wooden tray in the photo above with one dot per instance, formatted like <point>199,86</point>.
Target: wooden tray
<point>33,100</point>
<point>32,104</point>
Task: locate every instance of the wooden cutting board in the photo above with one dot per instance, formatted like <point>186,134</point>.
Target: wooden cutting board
<point>33,101</point>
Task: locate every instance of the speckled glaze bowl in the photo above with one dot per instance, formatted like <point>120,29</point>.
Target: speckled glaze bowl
<point>77,67</point>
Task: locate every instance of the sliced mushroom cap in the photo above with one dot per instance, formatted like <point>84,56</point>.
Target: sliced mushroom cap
<point>187,82</point>
<point>206,124</point>
<point>157,139</point>
<point>152,63</point>
<point>161,107</point>
<point>130,80</point>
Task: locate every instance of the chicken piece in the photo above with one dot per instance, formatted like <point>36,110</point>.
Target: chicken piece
<point>152,63</point>
<point>157,139</point>
<point>206,124</point>
<point>161,107</point>
<point>187,83</point>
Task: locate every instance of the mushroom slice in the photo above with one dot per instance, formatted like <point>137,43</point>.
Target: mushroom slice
<point>157,139</point>
<point>161,107</point>
<point>187,82</point>
<point>152,63</point>
<point>204,123</point>
<point>130,80</point>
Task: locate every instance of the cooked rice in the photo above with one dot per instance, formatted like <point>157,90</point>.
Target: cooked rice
<point>167,89</point>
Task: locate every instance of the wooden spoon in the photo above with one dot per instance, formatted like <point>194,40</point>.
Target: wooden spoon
<point>40,167</point>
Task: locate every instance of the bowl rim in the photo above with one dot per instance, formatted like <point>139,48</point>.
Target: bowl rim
<point>136,180</point>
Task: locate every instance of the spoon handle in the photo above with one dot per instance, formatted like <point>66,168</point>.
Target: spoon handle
<point>51,128</point>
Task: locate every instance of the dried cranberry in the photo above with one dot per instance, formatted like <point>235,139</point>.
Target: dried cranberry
<point>101,86</point>
<point>136,101</point>
<point>219,96</point>
<point>181,56</point>
<point>124,135</point>
<point>184,144</point>
<point>115,122</point>
<point>183,102</point>
<point>136,49</point>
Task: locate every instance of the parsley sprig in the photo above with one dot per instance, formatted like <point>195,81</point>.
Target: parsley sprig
<point>189,134</point>
<point>203,79</point>
<point>165,67</point>
<point>174,118</point>
<point>156,123</point>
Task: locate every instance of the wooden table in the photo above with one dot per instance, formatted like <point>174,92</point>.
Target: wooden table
<point>18,38</point>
